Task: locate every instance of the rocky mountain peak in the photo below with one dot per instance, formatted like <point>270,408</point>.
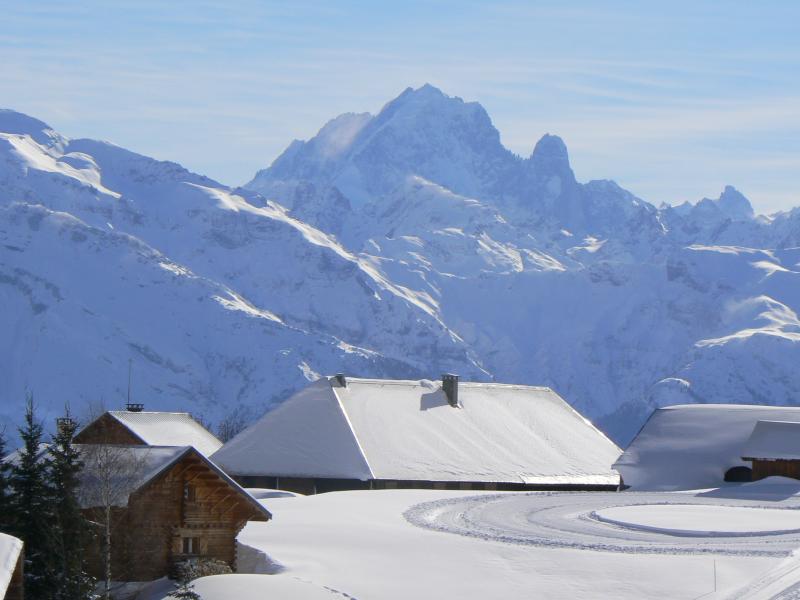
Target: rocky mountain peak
<point>734,204</point>
<point>550,156</point>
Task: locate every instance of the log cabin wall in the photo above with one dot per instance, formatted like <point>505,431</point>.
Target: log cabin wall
<point>107,430</point>
<point>770,468</point>
<point>187,512</point>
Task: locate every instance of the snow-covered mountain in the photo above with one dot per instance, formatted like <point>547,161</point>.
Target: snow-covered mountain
<point>222,301</point>
<point>402,245</point>
<point>619,305</point>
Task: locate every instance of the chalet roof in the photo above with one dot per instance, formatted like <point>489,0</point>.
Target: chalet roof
<point>13,458</point>
<point>406,430</point>
<point>168,429</point>
<point>111,473</point>
<point>773,440</point>
<point>10,548</point>
<point>692,446</point>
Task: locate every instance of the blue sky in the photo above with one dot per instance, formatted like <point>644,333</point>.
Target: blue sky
<point>673,100</point>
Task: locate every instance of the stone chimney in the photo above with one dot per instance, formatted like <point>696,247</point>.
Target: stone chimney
<point>64,423</point>
<point>340,380</point>
<point>450,387</point>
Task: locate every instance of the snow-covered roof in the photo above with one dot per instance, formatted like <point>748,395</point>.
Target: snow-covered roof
<point>111,473</point>
<point>13,458</point>
<point>692,446</point>
<point>10,548</point>
<point>168,429</point>
<point>773,440</point>
<point>406,430</point>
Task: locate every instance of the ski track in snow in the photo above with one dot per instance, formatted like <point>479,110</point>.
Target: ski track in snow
<point>566,520</point>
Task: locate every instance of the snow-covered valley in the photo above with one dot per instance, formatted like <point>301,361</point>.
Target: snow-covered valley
<point>400,245</point>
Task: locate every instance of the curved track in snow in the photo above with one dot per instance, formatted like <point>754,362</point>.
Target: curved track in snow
<point>569,520</point>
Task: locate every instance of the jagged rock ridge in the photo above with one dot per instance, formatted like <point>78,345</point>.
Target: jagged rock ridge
<point>400,245</point>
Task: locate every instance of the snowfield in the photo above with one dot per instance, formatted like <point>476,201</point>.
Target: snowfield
<point>397,544</point>
<point>701,520</point>
<point>632,522</point>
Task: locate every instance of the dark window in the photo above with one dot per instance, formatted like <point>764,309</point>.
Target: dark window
<point>190,545</point>
<point>739,474</point>
<point>189,492</point>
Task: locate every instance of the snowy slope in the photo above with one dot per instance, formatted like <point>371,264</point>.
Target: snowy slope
<point>618,305</point>
<point>398,245</point>
<point>223,302</point>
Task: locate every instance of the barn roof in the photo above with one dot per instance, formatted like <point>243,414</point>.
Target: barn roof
<point>111,473</point>
<point>406,430</point>
<point>773,440</point>
<point>168,429</point>
<point>10,549</point>
<point>692,446</point>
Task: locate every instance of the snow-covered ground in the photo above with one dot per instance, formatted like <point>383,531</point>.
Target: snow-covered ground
<point>633,522</point>
<point>446,544</point>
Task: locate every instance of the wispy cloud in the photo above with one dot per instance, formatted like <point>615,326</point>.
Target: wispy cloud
<point>645,94</point>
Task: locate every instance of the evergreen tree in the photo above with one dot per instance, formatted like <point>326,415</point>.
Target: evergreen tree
<point>71,529</point>
<point>31,506</point>
<point>6,522</point>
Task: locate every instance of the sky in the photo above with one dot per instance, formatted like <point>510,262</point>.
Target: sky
<point>673,100</point>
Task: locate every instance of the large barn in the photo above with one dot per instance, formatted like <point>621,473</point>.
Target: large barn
<point>136,426</point>
<point>774,449</point>
<point>167,504</point>
<point>695,446</point>
<point>346,433</point>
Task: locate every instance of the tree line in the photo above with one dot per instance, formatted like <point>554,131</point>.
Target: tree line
<point>39,505</point>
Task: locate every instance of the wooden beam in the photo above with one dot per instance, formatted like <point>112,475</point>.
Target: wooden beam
<point>214,489</point>
<point>178,471</point>
<point>195,475</point>
<point>185,466</point>
<point>234,505</point>
<point>224,498</point>
<point>210,477</point>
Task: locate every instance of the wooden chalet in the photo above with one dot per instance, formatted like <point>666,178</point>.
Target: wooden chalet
<point>700,446</point>
<point>162,505</point>
<point>11,563</point>
<point>774,449</point>
<point>135,426</point>
<point>347,433</point>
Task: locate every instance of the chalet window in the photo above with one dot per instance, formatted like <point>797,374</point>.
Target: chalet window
<point>191,545</point>
<point>189,492</point>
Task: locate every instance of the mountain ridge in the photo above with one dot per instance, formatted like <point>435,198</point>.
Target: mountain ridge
<point>397,246</point>
<point>531,215</point>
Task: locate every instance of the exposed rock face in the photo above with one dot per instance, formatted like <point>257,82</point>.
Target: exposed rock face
<point>403,244</point>
<point>581,286</point>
